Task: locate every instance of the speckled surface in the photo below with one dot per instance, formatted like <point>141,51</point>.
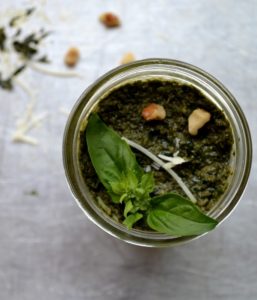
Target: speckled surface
<point>48,248</point>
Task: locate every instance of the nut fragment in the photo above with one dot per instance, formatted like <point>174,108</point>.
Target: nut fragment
<point>127,58</point>
<point>154,111</point>
<point>71,57</point>
<point>197,119</point>
<point>110,19</point>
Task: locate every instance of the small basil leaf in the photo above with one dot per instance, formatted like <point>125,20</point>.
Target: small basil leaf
<point>128,207</point>
<point>139,192</point>
<point>118,187</point>
<point>123,197</point>
<point>131,179</point>
<point>177,216</point>
<point>147,182</point>
<point>126,186</point>
<point>132,219</point>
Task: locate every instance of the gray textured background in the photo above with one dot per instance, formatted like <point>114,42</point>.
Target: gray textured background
<point>48,248</point>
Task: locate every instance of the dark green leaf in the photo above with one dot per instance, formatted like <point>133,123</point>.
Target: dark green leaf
<point>18,32</point>
<point>18,71</point>
<point>28,47</point>
<point>112,158</point>
<point>27,13</point>
<point>31,38</point>
<point>177,216</point>
<point>132,219</point>
<point>2,38</point>
<point>25,49</point>
<point>44,59</point>
<point>6,84</point>
<point>14,20</point>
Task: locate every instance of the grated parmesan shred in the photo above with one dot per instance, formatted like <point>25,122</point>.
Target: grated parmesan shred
<point>38,68</point>
<point>162,165</point>
<point>172,161</point>
<point>28,121</point>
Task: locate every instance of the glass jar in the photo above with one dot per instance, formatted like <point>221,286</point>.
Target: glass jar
<point>168,70</point>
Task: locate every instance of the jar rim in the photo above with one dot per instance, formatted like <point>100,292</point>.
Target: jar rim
<point>87,102</point>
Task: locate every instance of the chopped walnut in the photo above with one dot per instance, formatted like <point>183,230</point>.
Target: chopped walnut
<point>127,58</point>
<point>197,119</point>
<point>110,19</point>
<point>154,111</point>
<point>71,57</point>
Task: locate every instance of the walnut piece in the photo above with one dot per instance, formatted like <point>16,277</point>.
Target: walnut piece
<point>197,119</point>
<point>110,19</point>
<point>153,111</point>
<point>71,57</point>
<point>127,58</point>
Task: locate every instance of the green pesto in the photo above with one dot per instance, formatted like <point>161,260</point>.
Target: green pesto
<point>208,169</point>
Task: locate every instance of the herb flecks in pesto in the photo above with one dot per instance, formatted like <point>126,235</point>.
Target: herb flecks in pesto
<point>207,169</point>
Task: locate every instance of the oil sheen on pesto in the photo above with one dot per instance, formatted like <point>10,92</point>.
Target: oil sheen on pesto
<point>207,169</point>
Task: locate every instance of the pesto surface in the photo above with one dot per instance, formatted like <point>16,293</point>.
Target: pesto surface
<point>207,170</point>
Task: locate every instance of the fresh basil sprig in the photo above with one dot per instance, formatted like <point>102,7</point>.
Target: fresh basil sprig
<point>117,169</point>
<point>126,182</point>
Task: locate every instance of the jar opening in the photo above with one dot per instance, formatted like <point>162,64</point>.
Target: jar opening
<point>150,70</point>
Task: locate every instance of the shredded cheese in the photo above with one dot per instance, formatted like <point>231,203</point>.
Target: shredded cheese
<point>162,165</point>
<point>28,121</point>
<point>38,68</point>
<point>172,161</point>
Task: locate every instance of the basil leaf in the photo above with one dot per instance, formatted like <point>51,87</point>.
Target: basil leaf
<point>177,216</point>
<point>128,207</point>
<point>132,219</point>
<point>147,182</point>
<point>126,183</point>
<point>112,158</point>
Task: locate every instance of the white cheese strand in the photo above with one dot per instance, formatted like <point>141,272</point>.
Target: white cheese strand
<point>39,68</point>
<point>162,164</point>
<point>172,161</point>
<point>28,121</point>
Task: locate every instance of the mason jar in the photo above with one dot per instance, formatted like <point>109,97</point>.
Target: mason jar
<point>144,70</point>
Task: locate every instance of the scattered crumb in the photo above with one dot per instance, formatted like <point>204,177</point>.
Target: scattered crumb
<point>71,57</point>
<point>127,58</point>
<point>110,20</point>
<point>32,193</point>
